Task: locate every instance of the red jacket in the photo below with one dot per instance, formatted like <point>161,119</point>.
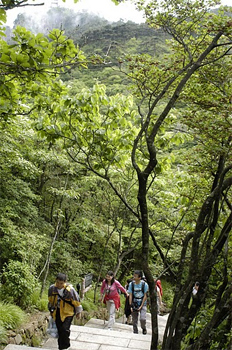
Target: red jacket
<point>111,292</point>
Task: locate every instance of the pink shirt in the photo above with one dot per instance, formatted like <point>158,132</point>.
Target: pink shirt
<point>112,290</point>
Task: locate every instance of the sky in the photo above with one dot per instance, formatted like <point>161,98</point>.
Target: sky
<point>105,8</point>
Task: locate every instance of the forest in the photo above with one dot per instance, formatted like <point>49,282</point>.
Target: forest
<point>115,153</point>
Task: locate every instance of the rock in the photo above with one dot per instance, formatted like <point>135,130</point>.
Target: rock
<point>29,331</point>
<point>11,340</point>
<point>11,334</point>
<point>18,339</point>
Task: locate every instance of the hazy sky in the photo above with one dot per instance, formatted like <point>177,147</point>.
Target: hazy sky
<point>105,8</point>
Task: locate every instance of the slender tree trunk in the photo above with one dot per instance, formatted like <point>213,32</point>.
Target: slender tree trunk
<point>145,257</point>
<point>122,256</point>
<point>47,263</point>
<point>57,229</point>
<point>182,314</point>
<point>101,265</point>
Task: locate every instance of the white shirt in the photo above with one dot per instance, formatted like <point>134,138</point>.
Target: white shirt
<point>194,291</point>
<point>61,293</point>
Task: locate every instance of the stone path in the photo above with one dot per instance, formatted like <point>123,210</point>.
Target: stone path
<point>95,336</point>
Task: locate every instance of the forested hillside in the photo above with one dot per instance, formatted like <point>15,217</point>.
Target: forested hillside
<point>115,154</point>
<point>98,38</point>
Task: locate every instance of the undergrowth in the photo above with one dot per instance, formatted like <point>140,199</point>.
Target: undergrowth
<point>11,317</point>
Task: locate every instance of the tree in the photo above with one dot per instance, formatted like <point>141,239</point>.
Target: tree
<point>199,39</point>
<point>100,131</point>
<point>30,65</point>
<point>29,68</point>
<point>10,4</point>
<point>196,44</point>
<point>21,239</point>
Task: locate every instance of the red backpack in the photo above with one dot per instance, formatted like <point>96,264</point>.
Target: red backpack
<point>158,283</point>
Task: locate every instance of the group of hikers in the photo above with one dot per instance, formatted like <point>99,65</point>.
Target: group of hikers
<point>64,303</point>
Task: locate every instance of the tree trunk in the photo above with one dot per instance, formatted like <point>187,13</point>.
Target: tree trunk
<point>183,313</point>
<point>145,257</point>
<point>47,263</point>
<point>102,263</point>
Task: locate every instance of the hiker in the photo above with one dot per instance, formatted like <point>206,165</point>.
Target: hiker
<point>127,308</point>
<point>159,292</point>
<point>195,288</point>
<point>110,296</point>
<point>63,304</point>
<point>138,301</point>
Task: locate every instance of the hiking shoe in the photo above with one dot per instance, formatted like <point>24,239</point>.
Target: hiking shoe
<point>144,331</point>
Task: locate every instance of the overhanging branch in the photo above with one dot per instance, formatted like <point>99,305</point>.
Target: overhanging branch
<point>14,4</point>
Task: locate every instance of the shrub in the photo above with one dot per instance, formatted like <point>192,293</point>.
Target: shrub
<point>18,283</point>
<point>40,303</point>
<point>168,293</point>
<point>88,303</point>
<point>3,336</point>
<point>11,316</point>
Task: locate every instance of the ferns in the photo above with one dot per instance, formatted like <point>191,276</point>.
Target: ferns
<point>3,336</point>
<point>11,317</point>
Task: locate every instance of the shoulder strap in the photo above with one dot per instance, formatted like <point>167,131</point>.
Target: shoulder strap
<point>143,287</point>
<point>67,301</point>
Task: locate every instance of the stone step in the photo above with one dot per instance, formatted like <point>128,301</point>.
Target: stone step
<point>122,327</point>
<point>95,336</point>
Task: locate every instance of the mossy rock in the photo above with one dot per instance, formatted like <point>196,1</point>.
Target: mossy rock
<point>36,340</point>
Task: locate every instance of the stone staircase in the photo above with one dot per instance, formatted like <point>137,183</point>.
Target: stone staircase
<point>96,336</point>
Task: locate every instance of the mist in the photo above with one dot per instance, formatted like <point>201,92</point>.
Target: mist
<point>102,8</point>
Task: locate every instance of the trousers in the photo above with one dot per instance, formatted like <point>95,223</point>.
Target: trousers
<point>135,317</point>
<point>63,330</point>
<point>111,312</point>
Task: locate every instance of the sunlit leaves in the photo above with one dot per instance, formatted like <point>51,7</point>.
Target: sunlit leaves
<point>33,60</point>
<point>208,111</point>
<point>2,20</point>
<point>99,126</point>
<point>190,23</point>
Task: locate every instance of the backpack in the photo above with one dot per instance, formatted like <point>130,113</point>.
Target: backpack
<point>158,283</point>
<point>136,301</point>
<point>142,290</point>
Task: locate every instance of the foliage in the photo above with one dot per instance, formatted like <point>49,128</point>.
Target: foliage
<point>101,41</point>
<point>100,171</point>
<point>39,58</point>
<point>11,316</point>
<point>39,302</point>
<point>160,85</point>
<point>168,293</point>
<point>88,302</point>
<point>220,335</point>
<point>22,227</point>
<point>3,335</point>
<point>18,283</point>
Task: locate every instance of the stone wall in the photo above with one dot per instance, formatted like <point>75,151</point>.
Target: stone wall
<point>32,333</point>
